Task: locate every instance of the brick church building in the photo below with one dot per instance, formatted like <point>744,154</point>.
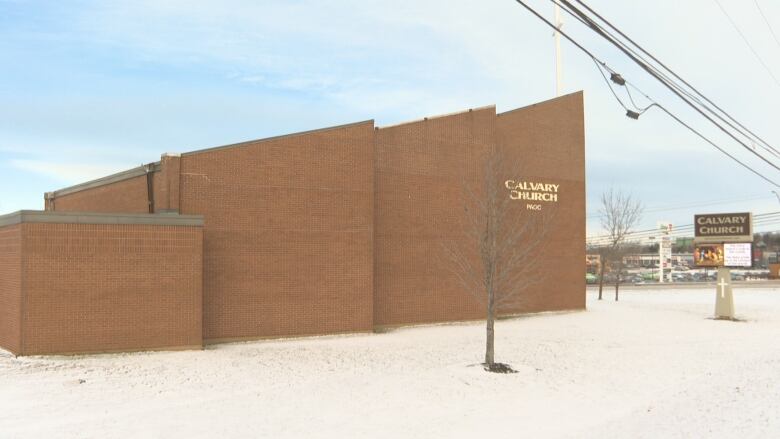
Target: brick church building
<point>335,230</point>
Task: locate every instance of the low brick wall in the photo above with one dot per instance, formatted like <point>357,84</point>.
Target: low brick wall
<point>11,287</point>
<point>101,283</point>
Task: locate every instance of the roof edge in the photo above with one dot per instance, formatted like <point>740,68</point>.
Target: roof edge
<point>102,181</point>
<point>157,219</point>
<point>438,116</point>
<point>266,139</point>
<point>548,101</point>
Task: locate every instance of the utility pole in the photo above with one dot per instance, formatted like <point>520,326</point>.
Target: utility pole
<point>557,38</point>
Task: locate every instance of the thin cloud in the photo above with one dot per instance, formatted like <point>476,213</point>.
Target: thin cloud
<point>68,173</point>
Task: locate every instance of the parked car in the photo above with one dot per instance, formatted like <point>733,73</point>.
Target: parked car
<point>682,277</point>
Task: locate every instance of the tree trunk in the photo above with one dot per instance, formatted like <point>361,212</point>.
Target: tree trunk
<point>489,342</point>
<point>601,277</point>
<point>617,281</point>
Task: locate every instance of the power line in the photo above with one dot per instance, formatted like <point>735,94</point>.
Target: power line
<point>720,113</point>
<point>765,219</point>
<point>680,121</point>
<point>672,87</point>
<point>756,218</point>
<point>663,78</point>
<point>692,204</point>
<point>771,30</point>
<point>747,43</point>
<point>586,51</point>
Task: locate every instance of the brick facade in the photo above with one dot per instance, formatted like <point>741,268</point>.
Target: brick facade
<point>11,288</point>
<point>548,142</point>
<point>287,235</point>
<point>340,229</point>
<point>420,172</point>
<point>100,287</point>
<point>126,196</point>
<point>423,172</point>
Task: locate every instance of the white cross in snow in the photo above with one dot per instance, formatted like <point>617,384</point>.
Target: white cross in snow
<point>723,284</point>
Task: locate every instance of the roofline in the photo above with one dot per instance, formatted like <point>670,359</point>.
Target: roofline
<point>580,92</point>
<point>159,219</point>
<point>102,181</point>
<point>155,166</point>
<point>439,116</point>
<point>266,139</point>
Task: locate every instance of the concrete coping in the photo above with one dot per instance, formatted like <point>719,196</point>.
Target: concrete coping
<point>113,178</point>
<point>156,219</point>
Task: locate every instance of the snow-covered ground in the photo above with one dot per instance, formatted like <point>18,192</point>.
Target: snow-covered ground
<point>652,365</point>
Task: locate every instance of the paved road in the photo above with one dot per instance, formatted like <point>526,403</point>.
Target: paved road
<point>690,285</point>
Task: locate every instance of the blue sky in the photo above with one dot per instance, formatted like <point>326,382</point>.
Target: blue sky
<point>89,88</point>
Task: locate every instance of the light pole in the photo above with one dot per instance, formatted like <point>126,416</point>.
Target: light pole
<point>557,39</point>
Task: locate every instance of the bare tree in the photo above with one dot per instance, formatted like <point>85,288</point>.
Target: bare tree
<point>494,253</point>
<point>619,214</point>
<point>603,252</point>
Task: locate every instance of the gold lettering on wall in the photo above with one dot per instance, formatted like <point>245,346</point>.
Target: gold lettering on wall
<point>532,191</point>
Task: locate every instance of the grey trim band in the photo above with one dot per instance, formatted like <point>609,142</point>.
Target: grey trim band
<point>39,216</point>
<point>113,178</point>
<point>250,142</point>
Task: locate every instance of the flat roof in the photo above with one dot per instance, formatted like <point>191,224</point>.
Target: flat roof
<point>156,219</point>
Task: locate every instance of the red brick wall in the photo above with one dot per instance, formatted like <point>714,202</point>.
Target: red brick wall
<point>423,174</point>
<point>341,229</point>
<point>549,140</point>
<point>159,190</point>
<point>167,183</point>
<point>10,288</point>
<point>287,235</point>
<point>126,196</point>
<point>93,288</point>
<point>420,171</point>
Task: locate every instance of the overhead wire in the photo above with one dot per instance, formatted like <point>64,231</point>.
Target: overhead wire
<point>694,93</point>
<point>747,42</point>
<point>664,78</point>
<point>693,204</point>
<point>769,218</point>
<point>771,30</point>
<point>757,217</point>
<point>639,110</point>
<point>592,56</point>
<point>650,70</point>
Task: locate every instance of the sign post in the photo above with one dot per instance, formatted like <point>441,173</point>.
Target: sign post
<point>664,250</point>
<point>723,240</point>
<point>724,297</point>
